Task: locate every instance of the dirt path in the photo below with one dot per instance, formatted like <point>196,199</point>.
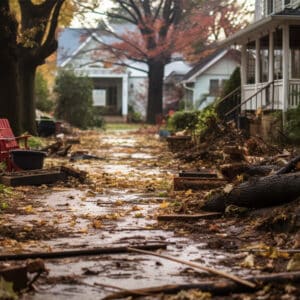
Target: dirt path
<point>128,186</point>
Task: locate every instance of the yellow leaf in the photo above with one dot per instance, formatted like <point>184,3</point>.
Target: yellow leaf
<point>97,224</point>
<point>248,261</point>
<point>188,192</point>
<point>164,204</point>
<point>139,215</point>
<point>83,230</point>
<point>28,208</point>
<point>135,208</point>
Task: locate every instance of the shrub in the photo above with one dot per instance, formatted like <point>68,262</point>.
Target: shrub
<point>42,96</point>
<point>292,127</point>
<point>184,120</point>
<point>74,99</point>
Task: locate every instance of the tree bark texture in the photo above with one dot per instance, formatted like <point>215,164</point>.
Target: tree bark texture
<point>27,72</point>
<point>155,91</point>
<point>257,193</point>
<point>9,88</point>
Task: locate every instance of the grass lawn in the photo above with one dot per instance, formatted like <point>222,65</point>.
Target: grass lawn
<point>122,126</point>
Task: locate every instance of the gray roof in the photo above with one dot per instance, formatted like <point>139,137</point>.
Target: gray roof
<point>202,63</point>
<point>70,39</point>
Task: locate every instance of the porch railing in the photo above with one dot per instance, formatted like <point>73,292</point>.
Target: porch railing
<point>262,99</point>
<point>294,94</point>
<point>230,100</point>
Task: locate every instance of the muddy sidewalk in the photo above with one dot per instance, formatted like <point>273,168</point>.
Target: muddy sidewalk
<point>127,188</point>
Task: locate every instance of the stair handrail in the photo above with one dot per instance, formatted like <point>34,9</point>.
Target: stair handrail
<point>249,98</point>
<point>228,95</point>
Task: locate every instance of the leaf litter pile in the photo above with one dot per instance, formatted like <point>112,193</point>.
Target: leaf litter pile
<point>128,200</point>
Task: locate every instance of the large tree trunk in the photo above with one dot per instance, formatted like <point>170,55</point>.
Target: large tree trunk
<point>27,77</point>
<point>155,91</point>
<point>257,193</point>
<point>9,88</point>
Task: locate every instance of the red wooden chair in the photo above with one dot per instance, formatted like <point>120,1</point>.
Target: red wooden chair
<point>9,142</point>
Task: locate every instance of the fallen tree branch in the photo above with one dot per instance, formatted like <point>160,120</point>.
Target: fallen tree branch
<point>197,266</point>
<point>290,166</point>
<point>81,252</point>
<point>221,287</point>
<point>257,193</point>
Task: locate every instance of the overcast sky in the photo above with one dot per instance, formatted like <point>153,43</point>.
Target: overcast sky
<point>90,19</point>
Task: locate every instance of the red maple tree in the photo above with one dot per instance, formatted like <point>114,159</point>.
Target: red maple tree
<point>163,29</point>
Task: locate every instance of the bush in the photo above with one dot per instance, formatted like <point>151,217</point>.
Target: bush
<point>233,83</point>
<point>184,120</point>
<point>134,116</point>
<point>42,96</point>
<point>292,127</point>
<point>74,99</point>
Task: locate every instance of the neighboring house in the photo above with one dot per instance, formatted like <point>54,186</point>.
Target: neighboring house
<point>205,81</point>
<point>115,86</point>
<point>270,57</point>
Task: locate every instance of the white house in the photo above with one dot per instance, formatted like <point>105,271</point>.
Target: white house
<point>204,82</point>
<point>270,57</point>
<point>115,86</point>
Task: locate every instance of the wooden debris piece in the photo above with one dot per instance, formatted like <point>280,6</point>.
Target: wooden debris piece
<point>69,171</point>
<point>194,183</point>
<point>80,252</point>
<point>179,143</point>
<point>221,287</point>
<point>53,148</point>
<point>18,275</point>
<point>193,217</point>
<point>230,171</point>
<point>199,174</point>
<point>198,266</point>
<point>32,177</point>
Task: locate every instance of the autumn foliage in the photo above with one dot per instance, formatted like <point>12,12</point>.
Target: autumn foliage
<point>169,29</point>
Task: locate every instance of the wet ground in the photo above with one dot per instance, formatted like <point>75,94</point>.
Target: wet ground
<point>127,188</point>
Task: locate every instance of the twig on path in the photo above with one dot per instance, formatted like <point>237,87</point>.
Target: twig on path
<point>197,266</point>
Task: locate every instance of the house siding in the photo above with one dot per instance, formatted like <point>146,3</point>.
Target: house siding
<point>220,71</point>
<point>262,10</point>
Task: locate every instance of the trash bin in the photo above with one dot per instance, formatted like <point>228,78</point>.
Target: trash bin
<point>46,127</point>
<point>28,159</point>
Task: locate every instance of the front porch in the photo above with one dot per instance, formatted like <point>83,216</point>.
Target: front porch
<point>110,93</point>
<point>270,63</point>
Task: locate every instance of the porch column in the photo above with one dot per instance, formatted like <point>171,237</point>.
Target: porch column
<point>257,62</point>
<point>271,56</point>
<point>285,70</point>
<point>243,70</point>
<point>125,95</point>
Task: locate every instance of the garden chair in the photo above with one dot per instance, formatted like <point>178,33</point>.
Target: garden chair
<point>9,142</point>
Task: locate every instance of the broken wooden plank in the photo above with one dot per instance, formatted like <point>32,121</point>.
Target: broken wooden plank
<point>32,177</point>
<point>194,217</point>
<point>194,183</point>
<point>199,174</point>
<point>79,252</point>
